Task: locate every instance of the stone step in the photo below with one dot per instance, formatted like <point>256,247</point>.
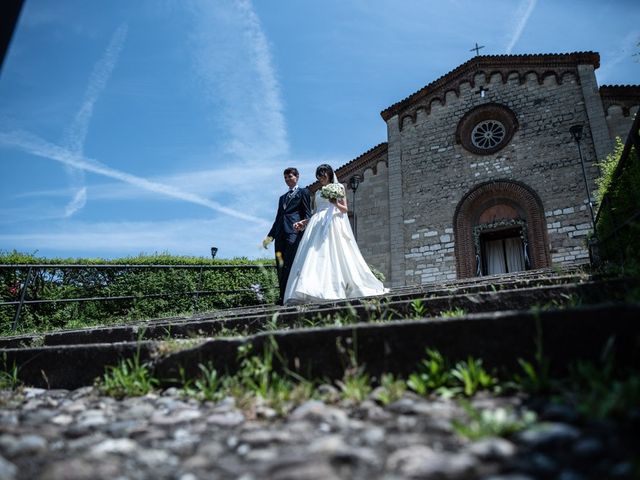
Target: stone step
<point>397,305</point>
<point>499,338</point>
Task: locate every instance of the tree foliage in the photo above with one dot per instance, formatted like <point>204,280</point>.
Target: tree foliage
<point>618,225</point>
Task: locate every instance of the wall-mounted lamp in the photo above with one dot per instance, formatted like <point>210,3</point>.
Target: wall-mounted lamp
<point>354,183</point>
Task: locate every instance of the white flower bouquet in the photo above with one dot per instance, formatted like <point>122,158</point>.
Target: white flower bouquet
<point>333,191</point>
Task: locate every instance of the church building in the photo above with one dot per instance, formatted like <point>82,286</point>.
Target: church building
<point>486,169</point>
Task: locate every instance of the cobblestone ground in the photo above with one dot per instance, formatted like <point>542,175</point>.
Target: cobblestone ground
<point>79,434</point>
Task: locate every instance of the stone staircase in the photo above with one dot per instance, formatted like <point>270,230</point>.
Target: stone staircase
<point>495,318</point>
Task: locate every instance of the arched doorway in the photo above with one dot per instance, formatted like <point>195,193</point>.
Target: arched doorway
<point>499,227</point>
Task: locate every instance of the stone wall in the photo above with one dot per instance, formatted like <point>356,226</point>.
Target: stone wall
<point>620,103</point>
<point>433,172</point>
<point>619,124</point>
<point>372,213</point>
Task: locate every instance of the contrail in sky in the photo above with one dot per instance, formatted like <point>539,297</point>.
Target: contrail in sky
<point>624,51</point>
<point>233,61</point>
<point>523,14</point>
<point>77,132</point>
<point>37,146</point>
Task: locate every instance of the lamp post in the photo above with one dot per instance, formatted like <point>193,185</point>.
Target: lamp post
<point>354,183</point>
<point>214,250</point>
<point>576,133</point>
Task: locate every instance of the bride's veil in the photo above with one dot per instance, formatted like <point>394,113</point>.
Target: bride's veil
<point>335,177</point>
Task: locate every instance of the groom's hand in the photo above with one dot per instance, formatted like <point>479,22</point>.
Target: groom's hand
<point>266,242</point>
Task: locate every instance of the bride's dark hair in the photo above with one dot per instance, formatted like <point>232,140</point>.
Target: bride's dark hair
<point>325,169</point>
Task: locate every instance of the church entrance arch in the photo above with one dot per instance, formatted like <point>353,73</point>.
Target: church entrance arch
<point>499,227</point>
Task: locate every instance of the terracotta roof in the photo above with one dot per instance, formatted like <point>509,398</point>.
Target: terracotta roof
<point>357,165</point>
<point>624,96</point>
<point>541,64</point>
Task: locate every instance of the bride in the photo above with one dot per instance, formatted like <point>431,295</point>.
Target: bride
<point>328,264</point>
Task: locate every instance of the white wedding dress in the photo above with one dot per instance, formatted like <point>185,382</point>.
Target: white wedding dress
<point>328,264</point>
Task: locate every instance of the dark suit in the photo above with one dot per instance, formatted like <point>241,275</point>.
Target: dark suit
<point>291,209</point>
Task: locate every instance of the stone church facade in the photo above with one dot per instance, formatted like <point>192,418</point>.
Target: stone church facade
<point>480,174</point>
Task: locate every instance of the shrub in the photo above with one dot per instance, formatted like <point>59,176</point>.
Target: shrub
<point>620,209</point>
<point>142,292</point>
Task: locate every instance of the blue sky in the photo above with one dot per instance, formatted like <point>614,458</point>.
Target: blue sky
<point>164,125</point>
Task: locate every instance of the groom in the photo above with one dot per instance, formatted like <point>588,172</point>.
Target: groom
<point>293,206</point>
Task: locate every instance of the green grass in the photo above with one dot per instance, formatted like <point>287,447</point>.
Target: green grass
<point>472,376</point>
<point>499,422</point>
<point>129,378</point>
<point>9,375</point>
<point>391,389</point>
<point>433,374</point>
<point>455,312</point>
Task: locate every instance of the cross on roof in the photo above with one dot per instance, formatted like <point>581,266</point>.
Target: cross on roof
<point>477,49</point>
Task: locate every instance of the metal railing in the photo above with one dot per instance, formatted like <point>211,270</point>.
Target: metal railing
<point>23,286</point>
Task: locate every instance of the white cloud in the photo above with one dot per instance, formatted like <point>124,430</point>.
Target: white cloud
<point>37,146</point>
<point>179,237</point>
<point>233,63</point>
<point>238,81</point>
<point>521,18</point>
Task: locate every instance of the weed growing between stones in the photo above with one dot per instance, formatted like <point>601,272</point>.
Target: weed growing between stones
<point>263,381</point>
<point>227,332</point>
<point>418,308</point>
<point>129,378</point>
<point>535,377</point>
<point>258,381</point>
<point>453,313</point>
<point>173,345</point>
<point>500,422</point>
<point>37,341</point>
<point>391,389</point>
<point>433,375</point>
<point>355,386</point>
<point>8,375</point>
<point>208,386</point>
<point>472,377</point>
<point>565,301</point>
<point>603,394</point>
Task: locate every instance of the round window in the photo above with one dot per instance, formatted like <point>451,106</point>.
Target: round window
<point>486,129</point>
<point>487,134</point>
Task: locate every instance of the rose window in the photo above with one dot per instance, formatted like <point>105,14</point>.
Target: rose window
<point>487,128</point>
<point>488,134</point>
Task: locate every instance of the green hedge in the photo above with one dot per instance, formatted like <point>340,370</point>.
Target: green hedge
<point>245,282</point>
<point>622,203</point>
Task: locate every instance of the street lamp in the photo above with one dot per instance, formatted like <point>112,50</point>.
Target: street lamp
<point>214,250</point>
<point>354,183</point>
<point>576,133</point>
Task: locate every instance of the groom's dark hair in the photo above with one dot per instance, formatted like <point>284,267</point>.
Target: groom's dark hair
<point>293,170</point>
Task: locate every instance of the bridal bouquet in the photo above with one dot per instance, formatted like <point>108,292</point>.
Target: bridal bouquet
<point>333,191</point>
